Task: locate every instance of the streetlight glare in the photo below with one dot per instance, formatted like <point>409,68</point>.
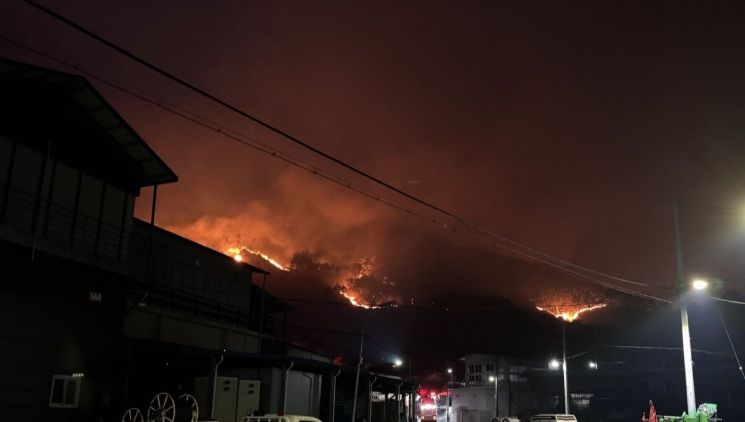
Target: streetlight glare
<point>700,284</point>
<point>450,370</point>
<point>592,365</point>
<point>491,378</point>
<point>554,364</point>
<point>398,362</point>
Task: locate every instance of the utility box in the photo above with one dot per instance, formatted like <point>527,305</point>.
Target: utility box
<point>226,398</point>
<point>249,393</point>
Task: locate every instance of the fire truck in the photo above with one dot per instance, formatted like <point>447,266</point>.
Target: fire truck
<point>428,409</point>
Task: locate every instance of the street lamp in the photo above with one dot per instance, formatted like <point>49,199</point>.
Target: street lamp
<point>397,363</point>
<point>685,330</point>
<point>450,400</point>
<point>495,380</point>
<point>699,284</point>
<point>592,365</point>
<point>554,364</point>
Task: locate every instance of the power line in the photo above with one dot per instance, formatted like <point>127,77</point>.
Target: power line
<point>634,347</point>
<point>323,330</point>
<point>513,246</point>
<point>196,119</point>
<point>732,345</point>
<point>736,302</point>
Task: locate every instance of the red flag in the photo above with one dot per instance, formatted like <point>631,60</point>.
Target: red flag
<point>652,412</point>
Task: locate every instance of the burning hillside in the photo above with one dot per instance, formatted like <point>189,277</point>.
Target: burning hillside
<point>357,281</point>
<point>570,313</point>
<point>570,305</point>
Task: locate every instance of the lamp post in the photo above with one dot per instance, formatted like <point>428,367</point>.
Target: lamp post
<point>564,365</point>
<point>495,380</point>
<point>685,330</point>
<point>449,403</point>
<point>556,364</point>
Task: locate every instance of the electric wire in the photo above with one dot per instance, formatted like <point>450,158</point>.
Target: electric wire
<point>736,302</point>
<point>524,250</point>
<point>189,116</point>
<point>732,345</point>
<point>635,347</point>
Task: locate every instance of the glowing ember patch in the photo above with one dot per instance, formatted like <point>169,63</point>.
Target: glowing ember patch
<point>570,313</point>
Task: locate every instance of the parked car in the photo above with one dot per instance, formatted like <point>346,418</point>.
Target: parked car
<point>553,418</point>
<point>280,418</point>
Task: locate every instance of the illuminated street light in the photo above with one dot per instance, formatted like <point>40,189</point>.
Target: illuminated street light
<point>554,364</point>
<point>450,370</point>
<point>592,365</point>
<point>699,284</point>
<point>397,363</point>
<point>495,380</point>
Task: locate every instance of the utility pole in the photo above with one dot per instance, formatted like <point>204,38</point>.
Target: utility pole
<point>685,330</point>
<point>564,365</point>
<point>496,396</point>
<point>357,378</point>
<point>449,401</point>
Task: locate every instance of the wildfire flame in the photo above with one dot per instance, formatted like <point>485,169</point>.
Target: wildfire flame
<point>351,286</point>
<point>353,281</point>
<point>354,300</point>
<point>237,254</point>
<point>570,313</point>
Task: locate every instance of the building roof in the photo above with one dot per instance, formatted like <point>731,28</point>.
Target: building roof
<point>204,249</point>
<point>154,170</point>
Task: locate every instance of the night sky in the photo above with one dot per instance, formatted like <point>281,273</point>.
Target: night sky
<point>571,127</point>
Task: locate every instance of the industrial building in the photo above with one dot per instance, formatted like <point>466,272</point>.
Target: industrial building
<point>101,311</point>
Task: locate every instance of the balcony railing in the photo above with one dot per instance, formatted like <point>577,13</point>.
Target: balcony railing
<point>30,217</point>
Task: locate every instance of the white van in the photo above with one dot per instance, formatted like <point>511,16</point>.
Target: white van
<point>278,418</point>
<point>553,418</point>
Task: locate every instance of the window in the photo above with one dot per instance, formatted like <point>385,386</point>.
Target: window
<point>65,391</point>
<point>489,367</point>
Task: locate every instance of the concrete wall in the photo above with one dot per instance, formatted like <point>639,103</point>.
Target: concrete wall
<point>170,327</point>
<point>476,404</point>
<point>50,326</point>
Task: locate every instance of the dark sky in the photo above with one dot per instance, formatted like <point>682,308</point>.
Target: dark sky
<point>570,127</point>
